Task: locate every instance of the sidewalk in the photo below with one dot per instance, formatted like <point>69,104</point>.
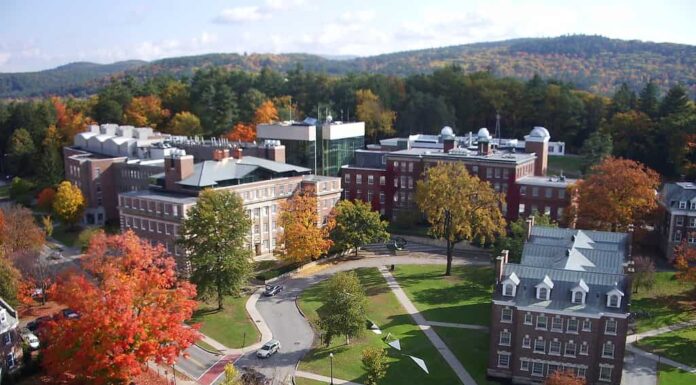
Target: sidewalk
<point>660,359</point>
<point>441,347</point>
<point>458,326</point>
<point>662,330</point>
<point>318,377</point>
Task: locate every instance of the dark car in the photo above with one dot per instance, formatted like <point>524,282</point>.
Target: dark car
<point>272,290</point>
<point>70,314</point>
<point>37,323</point>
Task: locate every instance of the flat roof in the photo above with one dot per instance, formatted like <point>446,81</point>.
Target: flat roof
<point>546,181</point>
<point>498,156</point>
<point>165,197</point>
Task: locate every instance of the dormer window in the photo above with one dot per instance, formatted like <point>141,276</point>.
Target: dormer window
<point>510,285</point>
<point>543,289</point>
<point>579,292</point>
<point>682,205</point>
<point>692,206</point>
<point>614,298</point>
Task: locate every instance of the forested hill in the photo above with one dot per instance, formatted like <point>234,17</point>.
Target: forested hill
<point>595,63</point>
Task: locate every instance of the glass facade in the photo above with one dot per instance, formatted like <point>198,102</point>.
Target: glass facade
<point>339,152</point>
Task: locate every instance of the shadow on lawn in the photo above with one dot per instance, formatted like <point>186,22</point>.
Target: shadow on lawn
<point>676,347</point>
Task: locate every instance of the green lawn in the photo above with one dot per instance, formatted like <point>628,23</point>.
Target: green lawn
<point>471,349</point>
<point>228,326</point>
<point>5,191</point>
<point>383,309</point>
<point>206,346</point>
<point>679,345</point>
<point>62,234</point>
<point>669,375</point>
<point>307,381</point>
<point>571,165</point>
<point>667,302</point>
<point>463,297</point>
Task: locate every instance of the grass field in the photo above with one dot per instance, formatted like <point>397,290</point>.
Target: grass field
<point>463,297</point>
<point>668,375</point>
<point>668,302</point>
<point>5,191</point>
<point>679,345</point>
<point>384,309</point>
<point>471,349</point>
<point>230,326</point>
<point>62,234</point>
<point>570,165</point>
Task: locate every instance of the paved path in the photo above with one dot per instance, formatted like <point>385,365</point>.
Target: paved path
<point>318,377</point>
<point>660,359</point>
<point>458,326</point>
<point>289,326</point>
<point>435,339</point>
<point>638,370</point>
<point>662,330</point>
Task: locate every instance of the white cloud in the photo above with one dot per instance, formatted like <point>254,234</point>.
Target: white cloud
<point>4,57</point>
<point>244,14</point>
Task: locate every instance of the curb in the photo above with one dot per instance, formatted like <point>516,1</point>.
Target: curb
<point>297,365</point>
<point>218,352</point>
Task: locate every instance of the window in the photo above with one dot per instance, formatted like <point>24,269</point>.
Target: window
<point>396,182</point>
<point>680,221</point>
<point>474,170</point>
<point>543,293</point>
<point>548,192</point>
<point>578,296</point>
<point>605,373</point>
<point>7,339</point>
<point>410,166</point>
<point>489,173</point>
<point>539,345</point>
<point>526,342</point>
<point>346,180</point>
<point>682,205</point>
<point>535,191</point>
<point>528,319</point>
<point>524,365</point>
<point>382,180</point>
<point>556,323</point>
<point>506,173</point>
<point>403,166</point>
<point>370,179</point>
<point>584,348</point>
<point>610,327</point>
<point>358,179</point>
<point>359,194</point>
<point>497,173</point>
<point>572,325</point>
<point>537,369</point>
<point>608,350</point>
<point>586,325</point>
<point>570,349</point>
<point>523,190</point>
<point>346,194</point>
<point>410,182</point>
<point>692,206</point>
<point>509,290</point>
<point>505,336</point>
<point>541,322</point>
<point>503,360</point>
<point>677,236</point>
<point>522,208</point>
<point>561,194</point>
<point>369,195</point>
<point>613,300</point>
<point>506,315</point>
<point>555,347</point>
<point>692,237</point>
<point>581,372</point>
<point>381,197</point>
<point>692,222</point>
<point>10,360</point>
<point>551,368</point>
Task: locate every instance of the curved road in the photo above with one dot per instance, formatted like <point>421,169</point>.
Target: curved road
<point>293,331</point>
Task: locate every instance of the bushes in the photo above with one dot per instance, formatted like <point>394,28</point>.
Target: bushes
<point>21,191</point>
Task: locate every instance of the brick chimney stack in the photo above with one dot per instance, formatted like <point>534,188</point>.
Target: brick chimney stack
<point>237,153</point>
<point>177,167</point>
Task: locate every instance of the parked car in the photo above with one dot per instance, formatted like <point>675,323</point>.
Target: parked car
<point>37,323</point>
<point>268,349</point>
<point>56,255</point>
<point>272,290</point>
<point>70,314</point>
<point>30,338</point>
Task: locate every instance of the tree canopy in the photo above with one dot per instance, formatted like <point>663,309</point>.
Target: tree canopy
<point>303,238</point>
<point>357,225</point>
<point>343,309</point>
<point>69,203</point>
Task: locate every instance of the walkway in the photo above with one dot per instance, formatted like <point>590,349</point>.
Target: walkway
<point>318,377</point>
<point>662,330</point>
<point>440,345</point>
<point>660,359</point>
<point>458,326</point>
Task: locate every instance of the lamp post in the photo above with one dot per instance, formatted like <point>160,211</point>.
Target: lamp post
<point>331,356</point>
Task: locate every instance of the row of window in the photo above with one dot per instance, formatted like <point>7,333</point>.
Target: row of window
<point>403,166</point>
<point>683,205</point>
<point>368,198</point>
<point>691,236</point>
<point>679,221</point>
<point>577,295</point>
<point>370,179</point>
<point>149,225</point>
<point>547,192</point>
<point>554,346</point>
<point>151,206</point>
<point>572,325</point>
<point>541,368</point>
<point>268,192</point>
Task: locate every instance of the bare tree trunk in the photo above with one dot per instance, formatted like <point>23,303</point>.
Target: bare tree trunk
<point>448,272</point>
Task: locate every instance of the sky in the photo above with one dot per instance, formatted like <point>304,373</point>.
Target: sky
<point>39,34</point>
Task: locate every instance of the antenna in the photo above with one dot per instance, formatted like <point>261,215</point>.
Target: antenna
<point>497,125</point>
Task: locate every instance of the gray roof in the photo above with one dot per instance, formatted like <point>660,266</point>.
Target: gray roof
<point>673,193</point>
<point>545,181</point>
<point>160,196</point>
<point>211,172</point>
<point>499,156</point>
<point>568,257</point>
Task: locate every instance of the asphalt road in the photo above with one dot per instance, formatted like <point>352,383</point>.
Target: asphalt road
<point>197,363</point>
<point>293,331</point>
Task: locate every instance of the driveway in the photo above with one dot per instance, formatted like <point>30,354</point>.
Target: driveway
<point>294,332</point>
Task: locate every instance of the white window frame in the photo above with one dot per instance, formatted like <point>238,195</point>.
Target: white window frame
<point>609,354</point>
<point>557,324</point>
<point>524,364</point>
<point>587,322</point>
<point>528,319</point>
<point>555,343</point>
<point>574,352</point>
<point>511,291</point>
<point>584,348</point>
<point>506,357</point>
<point>612,330</point>
<point>546,322</point>
<point>574,329</point>
<point>540,373</point>
<point>503,317</point>
<point>682,205</point>
<point>527,342</point>
<point>679,220</point>
<point>602,374</point>
<point>505,338</point>
<point>539,342</point>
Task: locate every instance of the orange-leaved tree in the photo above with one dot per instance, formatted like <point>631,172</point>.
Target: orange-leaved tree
<point>685,261</point>
<point>68,121</point>
<point>617,193</point>
<point>45,198</point>
<point>242,132</point>
<point>266,113</point>
<point>246,132</point>
<point>20,233</point>
<point>560,377</point>
<point>303,238</point>
<point>146,111</point>
<point>132,311</point>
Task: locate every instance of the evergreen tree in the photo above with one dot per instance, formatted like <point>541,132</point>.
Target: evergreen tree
<point>675,102</point>
<point>21,152</point>
<point>596,148</point>
<point>624,99</point>
<point>647,101</point>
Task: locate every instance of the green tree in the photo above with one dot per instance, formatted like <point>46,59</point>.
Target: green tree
<point>231,377</point>
<point>624,99</point>
<point>213,101</point>
<point>675,102</point>
<point>343,309</point>
<point>374,361</point>
<point>379,121</point>
<point>185,123</point>
<point>357,225</point>
<point>214,235</point>
<point>513,242</point>
<point>69,203</point>
<point>644,273</point>
<point>9,281</point>
<point>459,206</point>
<point>647,100</point>
<point>597,147</point>
<point>20,152</point>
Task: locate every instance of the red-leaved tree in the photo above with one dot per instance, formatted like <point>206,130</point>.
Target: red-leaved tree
<point>132,310</point>
<point>560,377</point>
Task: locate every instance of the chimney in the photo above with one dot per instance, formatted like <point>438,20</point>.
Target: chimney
<point>237,153</point>
<point>447,145</point>
<point>529,223</point>
<point>220,154</point>
<point>484,148</point>
<point>177,167</point>
<point>499,267</point>
<point>505,254</point>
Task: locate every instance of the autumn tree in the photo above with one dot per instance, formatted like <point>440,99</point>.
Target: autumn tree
<point>19,231</point>
<point>560,377</point>
<point>69,203</point>
<point>644,273</point>
<point>50,164</point>
<point>69,121</point>
<point>10,279</point>
<point>379,121</point>
<point>47,223</point>
<point>185,123</point>
<point>357,225</point>
<point>343,310</point>
<point>374,361</point>
<point>146,111</point>
<point>242,132</point>
<point>132,311</point>
<point>214,235</point>
<point>685,261</point>
<point>459,206</point>
<point>266,113</point>
<point>45,198</point>
<point>246,132</point>
<point>617,193</point>
<point>36,272</point>
<point>303,238</point>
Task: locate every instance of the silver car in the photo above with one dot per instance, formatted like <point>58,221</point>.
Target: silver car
<point>268,349</point>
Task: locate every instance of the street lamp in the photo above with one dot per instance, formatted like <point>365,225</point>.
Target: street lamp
<point>331,356</point>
